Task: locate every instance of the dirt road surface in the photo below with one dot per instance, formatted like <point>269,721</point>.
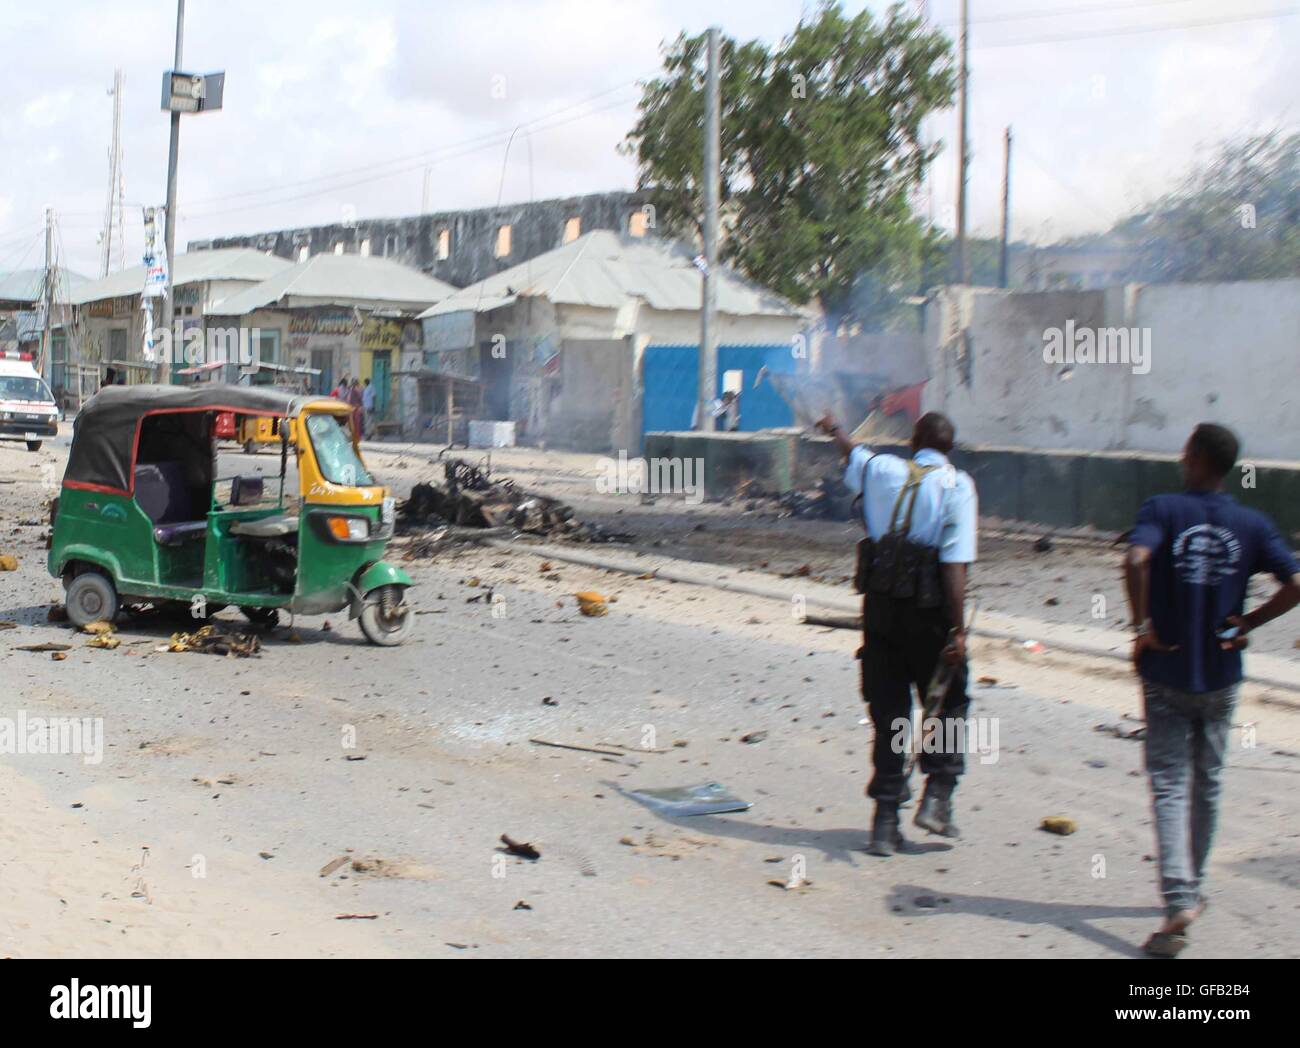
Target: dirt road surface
<point>229,789</point>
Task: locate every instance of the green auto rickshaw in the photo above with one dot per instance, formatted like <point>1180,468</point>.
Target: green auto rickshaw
<point>143,516</point>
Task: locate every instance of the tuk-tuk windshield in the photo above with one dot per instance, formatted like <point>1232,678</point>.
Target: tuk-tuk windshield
<point>334,452</point>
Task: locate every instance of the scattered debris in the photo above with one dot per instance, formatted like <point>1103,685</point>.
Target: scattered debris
<point>794,884</point>
<point>1043,545</point>
<point>523,849</point>
<point>580,749</point>
<point>521,905</point>
<point>592,604</point>
<point>5,624</point>
<point>835,622</point>
<point>47,646</point>
<point>57,613</point>
<point>1120,732</point>
<point>709,798</point>
<point>987,680</point>
<point>469,497</point>
<point>211,640</point>
<point>104,640</point>
<point>1033,647</point>
<point>1058,824</point>
<point>333,865</point>
<point>752,737</point>
<point>828,500</point>
<point>357,917</point>
<point>8,562</point>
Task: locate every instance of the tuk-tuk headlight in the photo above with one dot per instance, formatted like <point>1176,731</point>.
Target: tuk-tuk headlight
<point>349,529</point>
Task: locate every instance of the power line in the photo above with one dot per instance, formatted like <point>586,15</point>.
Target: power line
<point>491,138</point>
<point>296,196</point>
<point>1131,30</point>
<point>1065,12</point>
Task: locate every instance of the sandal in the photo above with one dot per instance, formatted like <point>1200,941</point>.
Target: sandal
<point>1165,944</point>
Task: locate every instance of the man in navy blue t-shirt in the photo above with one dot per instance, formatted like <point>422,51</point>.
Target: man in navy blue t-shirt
<point>1190,559</point>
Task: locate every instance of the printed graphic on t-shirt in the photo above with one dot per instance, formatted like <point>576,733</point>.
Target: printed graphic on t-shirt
<point>1205,554</point>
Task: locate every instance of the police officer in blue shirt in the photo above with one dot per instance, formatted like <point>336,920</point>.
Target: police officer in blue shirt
<point>1188,565</point>
<point>921,518</point>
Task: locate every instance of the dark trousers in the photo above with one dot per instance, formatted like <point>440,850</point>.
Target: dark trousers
<point>900,648</point>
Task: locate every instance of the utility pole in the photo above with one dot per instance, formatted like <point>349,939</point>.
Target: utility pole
<point>169,236</point>
<point>112,211</point>
<point>44,366</point>
<point>1006,206</point>
<point>712,179</point>
<point>961,270</point>
<point>424,193</point>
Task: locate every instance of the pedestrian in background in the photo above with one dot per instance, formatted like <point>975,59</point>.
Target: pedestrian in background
<point>368,408</point>
<point>1188,565</point>
<point>354,398</point>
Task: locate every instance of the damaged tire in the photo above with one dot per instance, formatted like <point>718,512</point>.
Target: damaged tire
<point>386,617</point>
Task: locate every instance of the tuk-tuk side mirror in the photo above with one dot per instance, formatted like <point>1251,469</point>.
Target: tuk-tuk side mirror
<point>245,491</point>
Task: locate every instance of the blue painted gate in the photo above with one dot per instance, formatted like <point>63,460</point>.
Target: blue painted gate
<point>671,383</point>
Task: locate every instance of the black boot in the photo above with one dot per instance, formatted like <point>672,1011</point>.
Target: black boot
<point>886,838</point>
<point>935,812</point>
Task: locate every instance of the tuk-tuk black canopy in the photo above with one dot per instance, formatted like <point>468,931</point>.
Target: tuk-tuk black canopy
<point>105,433</point>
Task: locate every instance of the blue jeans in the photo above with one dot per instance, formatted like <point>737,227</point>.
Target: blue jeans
<point>1186,742</point>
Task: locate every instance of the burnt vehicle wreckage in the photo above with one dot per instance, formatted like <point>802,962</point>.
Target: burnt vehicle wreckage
<point>471,498</point>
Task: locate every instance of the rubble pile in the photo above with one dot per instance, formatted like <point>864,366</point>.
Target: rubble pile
<point>829,500</point>
<point>470,497</point>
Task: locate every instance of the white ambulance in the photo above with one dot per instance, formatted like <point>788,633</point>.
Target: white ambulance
<point>27,408</point>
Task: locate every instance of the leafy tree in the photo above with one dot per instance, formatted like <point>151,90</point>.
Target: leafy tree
<point>1236,217</point>
<point>820,150</point>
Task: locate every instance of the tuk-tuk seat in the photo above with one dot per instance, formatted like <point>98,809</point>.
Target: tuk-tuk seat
<point>267,528</point>
<point>160,491</point>
<point>175,534</point>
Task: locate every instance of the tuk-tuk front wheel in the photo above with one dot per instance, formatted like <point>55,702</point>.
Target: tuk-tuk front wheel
<point>386,618</point>
<point>91,597</point>
<point>33,445</point>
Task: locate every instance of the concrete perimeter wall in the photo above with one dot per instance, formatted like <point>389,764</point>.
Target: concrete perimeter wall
<point>1225,352</point>
<point>1055,489</point>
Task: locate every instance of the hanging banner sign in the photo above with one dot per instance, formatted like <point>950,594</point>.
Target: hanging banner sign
<point>155,253</point>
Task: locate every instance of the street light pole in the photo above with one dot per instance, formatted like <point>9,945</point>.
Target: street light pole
<point>169,236</point>
<point>708,362</point>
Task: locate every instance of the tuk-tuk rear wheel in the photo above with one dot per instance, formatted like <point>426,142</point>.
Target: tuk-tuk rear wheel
<point>261,616</point>
<point>91,597</point>
<point>386,618</point>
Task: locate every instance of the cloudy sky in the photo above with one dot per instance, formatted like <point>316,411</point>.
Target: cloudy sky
<point>338,107</point>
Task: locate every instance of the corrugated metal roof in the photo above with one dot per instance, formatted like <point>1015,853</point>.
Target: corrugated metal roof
<point>26,285</point>
<point>345,280</point>
<point>606,269</point>
<point>192,267</point>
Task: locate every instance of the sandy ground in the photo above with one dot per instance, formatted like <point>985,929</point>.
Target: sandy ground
<point>234,769</point>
